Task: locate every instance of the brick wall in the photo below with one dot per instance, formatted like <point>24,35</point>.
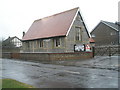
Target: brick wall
<point>6,55</point>
<point>49,56</point>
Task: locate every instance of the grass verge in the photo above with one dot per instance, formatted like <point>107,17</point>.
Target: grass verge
<point>10,83</point>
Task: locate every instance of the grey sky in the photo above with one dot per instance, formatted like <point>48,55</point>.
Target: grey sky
<point>17,16</point>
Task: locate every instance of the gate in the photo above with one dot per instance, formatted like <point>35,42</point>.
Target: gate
<point>106,50</point>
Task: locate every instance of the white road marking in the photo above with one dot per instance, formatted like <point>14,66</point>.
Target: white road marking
<point>72,72</point>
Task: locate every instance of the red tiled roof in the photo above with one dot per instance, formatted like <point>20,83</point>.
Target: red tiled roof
<point>52,26</point>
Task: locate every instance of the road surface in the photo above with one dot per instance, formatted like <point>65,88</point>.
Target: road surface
<point>82,74</point>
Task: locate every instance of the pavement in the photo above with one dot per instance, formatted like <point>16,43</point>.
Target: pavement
<point>99,72</point>
<point>100,62</point>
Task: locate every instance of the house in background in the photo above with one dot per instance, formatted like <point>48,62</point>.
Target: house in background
<point>106,33</point>
<point>62,32</point>
<point>11,44</point>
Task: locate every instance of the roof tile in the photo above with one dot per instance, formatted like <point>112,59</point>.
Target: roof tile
<point>52,26</point>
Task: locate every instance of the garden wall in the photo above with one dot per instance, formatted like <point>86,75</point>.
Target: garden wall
<point>49,56</point>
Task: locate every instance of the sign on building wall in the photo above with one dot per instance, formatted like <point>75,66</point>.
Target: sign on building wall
<point>87,48</point>
<point>79,47</point>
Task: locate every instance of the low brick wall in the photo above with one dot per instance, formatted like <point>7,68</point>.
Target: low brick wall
<point>71,56</point>
<point>6,55</point>
<point>49,56</point>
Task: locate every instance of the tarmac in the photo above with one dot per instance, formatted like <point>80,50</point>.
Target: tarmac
<point>99,72</point>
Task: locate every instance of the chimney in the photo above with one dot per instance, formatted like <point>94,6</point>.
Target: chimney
<point>23,33</point>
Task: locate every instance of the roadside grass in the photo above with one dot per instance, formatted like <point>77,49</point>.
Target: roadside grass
<point>10,83</point>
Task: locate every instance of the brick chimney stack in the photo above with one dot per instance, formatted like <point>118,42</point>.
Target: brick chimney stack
<point>23,33</point>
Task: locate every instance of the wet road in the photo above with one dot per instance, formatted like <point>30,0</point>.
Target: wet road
<point>58,76</point>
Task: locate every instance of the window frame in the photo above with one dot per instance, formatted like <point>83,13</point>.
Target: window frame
<point>41,43</point>
<point>113,33</point>
<point>57,42</point>
<point>78,34</point>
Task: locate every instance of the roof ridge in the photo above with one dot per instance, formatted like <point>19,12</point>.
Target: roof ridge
<point>105,22</point>
<point>56,14</point>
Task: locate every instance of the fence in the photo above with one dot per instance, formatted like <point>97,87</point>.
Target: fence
<point>106,50</point>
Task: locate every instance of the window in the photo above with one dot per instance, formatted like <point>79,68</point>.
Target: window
<point>78,36</point>
<point>41,43</point>
<point>113,33</point>
<point>57,42</point>
<point>93,35</point>
<point>27,45</point>
<point>31,45</point>
<point>35,44</point>
<point>113,43</point>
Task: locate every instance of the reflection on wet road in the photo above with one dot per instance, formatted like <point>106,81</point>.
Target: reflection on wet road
<point>58,76</point>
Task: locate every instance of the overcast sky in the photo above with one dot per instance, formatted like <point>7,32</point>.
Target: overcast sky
<point>17,16</point>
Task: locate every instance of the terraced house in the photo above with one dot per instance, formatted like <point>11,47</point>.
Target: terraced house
<point>106,33</point>
<point>58,33</point>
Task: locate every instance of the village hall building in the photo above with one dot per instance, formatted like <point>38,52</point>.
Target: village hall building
<point>59,33</point>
